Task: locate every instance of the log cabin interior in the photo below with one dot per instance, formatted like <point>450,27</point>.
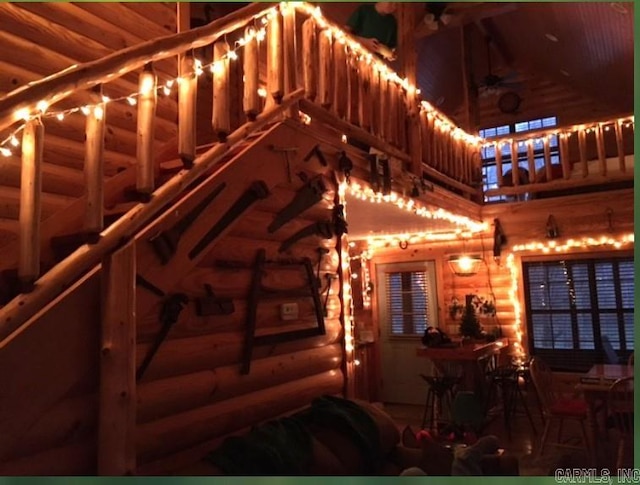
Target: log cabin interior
<point>214,215</point>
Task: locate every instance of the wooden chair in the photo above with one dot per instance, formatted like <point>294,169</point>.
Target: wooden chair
<point>620,414</point>
<point>556,408</point>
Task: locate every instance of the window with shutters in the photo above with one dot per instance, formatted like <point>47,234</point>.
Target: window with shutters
<point>578,308</point>
<point>410,299</point>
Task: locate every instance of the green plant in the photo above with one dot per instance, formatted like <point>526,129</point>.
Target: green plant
<point>470,325</point>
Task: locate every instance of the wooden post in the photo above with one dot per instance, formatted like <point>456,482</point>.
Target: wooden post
<point>325,80</point>
<point>515,165</point>
<point>251,102</point>
<point>221,120</point>
<point>94,164</point>
<point>546,150</point>
<point>355,79</point>
<point>289,53</point>
<point>375,101</point>
<point>310,56</point>
<point>363,99</point>
<point>187,98</point>
<point>30,203</point>
<point>600,147</point>
<point>498,152</point>
<point>392,113</point>
<point>383,111</point>
<point>147,100</point>
<point>531,161</point>
<point>117,411</point>
<point>275,56</point>
<point>620,146</point>
<point>339,78</point>
<point>564,155</point>
<point>582,148</point>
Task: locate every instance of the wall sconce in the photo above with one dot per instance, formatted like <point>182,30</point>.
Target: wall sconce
<point>465,265</point>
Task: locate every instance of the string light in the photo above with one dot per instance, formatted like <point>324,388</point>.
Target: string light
<point>582,243</point>
<point>368,194</point>
<point>354,48</point>
<point>625,122</point>
<point>11,141</point>
<point>546,248</point>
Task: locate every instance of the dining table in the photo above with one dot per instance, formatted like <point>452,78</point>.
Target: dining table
<point>594,385</point>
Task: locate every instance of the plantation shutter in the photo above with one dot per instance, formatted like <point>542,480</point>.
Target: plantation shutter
<point>573,306</point>
<point>408,302</point>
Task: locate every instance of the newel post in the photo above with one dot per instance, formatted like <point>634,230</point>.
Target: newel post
<point>221,118</point>
<point>251,103</point>
<point>117,399</point>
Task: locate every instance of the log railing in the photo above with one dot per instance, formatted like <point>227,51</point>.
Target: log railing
<point>360,95</point>
<point>562,158</point>
<point>259,59</point>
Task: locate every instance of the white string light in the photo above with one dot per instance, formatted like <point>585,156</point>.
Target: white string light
<point>547,248</point>
<point>11,142</point>
<point>410,205</point>
<point>355,49</point>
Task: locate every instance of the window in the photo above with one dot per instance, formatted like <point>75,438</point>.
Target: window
<point>410,303</point>
<point>489,173</point>
<point>575,308</point>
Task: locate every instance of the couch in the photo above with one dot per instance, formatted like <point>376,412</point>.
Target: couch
<point>335,436</point>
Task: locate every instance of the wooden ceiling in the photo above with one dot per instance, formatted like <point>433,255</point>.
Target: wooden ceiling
<point>586,74</point>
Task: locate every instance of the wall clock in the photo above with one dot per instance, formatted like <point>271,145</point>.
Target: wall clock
<point>509,102</point>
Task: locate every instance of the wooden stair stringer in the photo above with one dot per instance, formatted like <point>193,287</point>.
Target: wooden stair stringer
<point>257,161</point>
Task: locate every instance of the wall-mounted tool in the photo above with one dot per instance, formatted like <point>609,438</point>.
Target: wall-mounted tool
<point>552,228</point>
<point>213,305</point>
<point>339,221</point>
<point>308,196</point>
<point>257,292</point>
<point>345,164</point>
<point>285,151</point>
<point>380,174</point>
<point>316,152</point>
<point>172,306</point>
<point>499,239</point>
<point>165,243</point>
<point>258,190</point>
<point>322,229</point>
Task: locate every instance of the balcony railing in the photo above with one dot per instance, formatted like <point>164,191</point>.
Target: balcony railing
<point>562,158</point>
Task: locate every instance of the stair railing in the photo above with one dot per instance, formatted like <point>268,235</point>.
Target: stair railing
<point>345,85</point>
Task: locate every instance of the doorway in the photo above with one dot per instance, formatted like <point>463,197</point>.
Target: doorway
<point>407,304</point>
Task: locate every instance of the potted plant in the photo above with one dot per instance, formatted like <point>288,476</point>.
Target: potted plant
<point>470,325</point>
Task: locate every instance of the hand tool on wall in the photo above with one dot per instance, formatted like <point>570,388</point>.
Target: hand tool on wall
<point>166,242</point>
<point>256,191</point>
<point>322,229</point>
<point>308,196</point>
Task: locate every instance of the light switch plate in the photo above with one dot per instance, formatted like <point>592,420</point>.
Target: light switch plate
<point>289,311</point>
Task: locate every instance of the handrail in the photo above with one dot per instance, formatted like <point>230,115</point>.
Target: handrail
<point>56,87</point>
<point>51,284</point>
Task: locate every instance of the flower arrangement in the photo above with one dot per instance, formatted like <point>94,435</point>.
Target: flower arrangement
<point>481,306</point>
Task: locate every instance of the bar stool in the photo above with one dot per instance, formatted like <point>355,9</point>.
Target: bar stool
<point>505,381</point>
<point>440,394</point>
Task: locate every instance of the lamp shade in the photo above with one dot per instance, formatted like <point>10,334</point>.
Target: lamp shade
<point>464,264</point>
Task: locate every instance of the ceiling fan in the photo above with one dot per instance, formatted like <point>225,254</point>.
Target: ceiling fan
<point>494,85</point>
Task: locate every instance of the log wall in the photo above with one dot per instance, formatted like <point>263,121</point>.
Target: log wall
<point>523,222</point>
<point>41,39</point>
<point>193,391</point>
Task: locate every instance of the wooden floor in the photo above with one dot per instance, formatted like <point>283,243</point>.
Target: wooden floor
<point>524,442</point>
